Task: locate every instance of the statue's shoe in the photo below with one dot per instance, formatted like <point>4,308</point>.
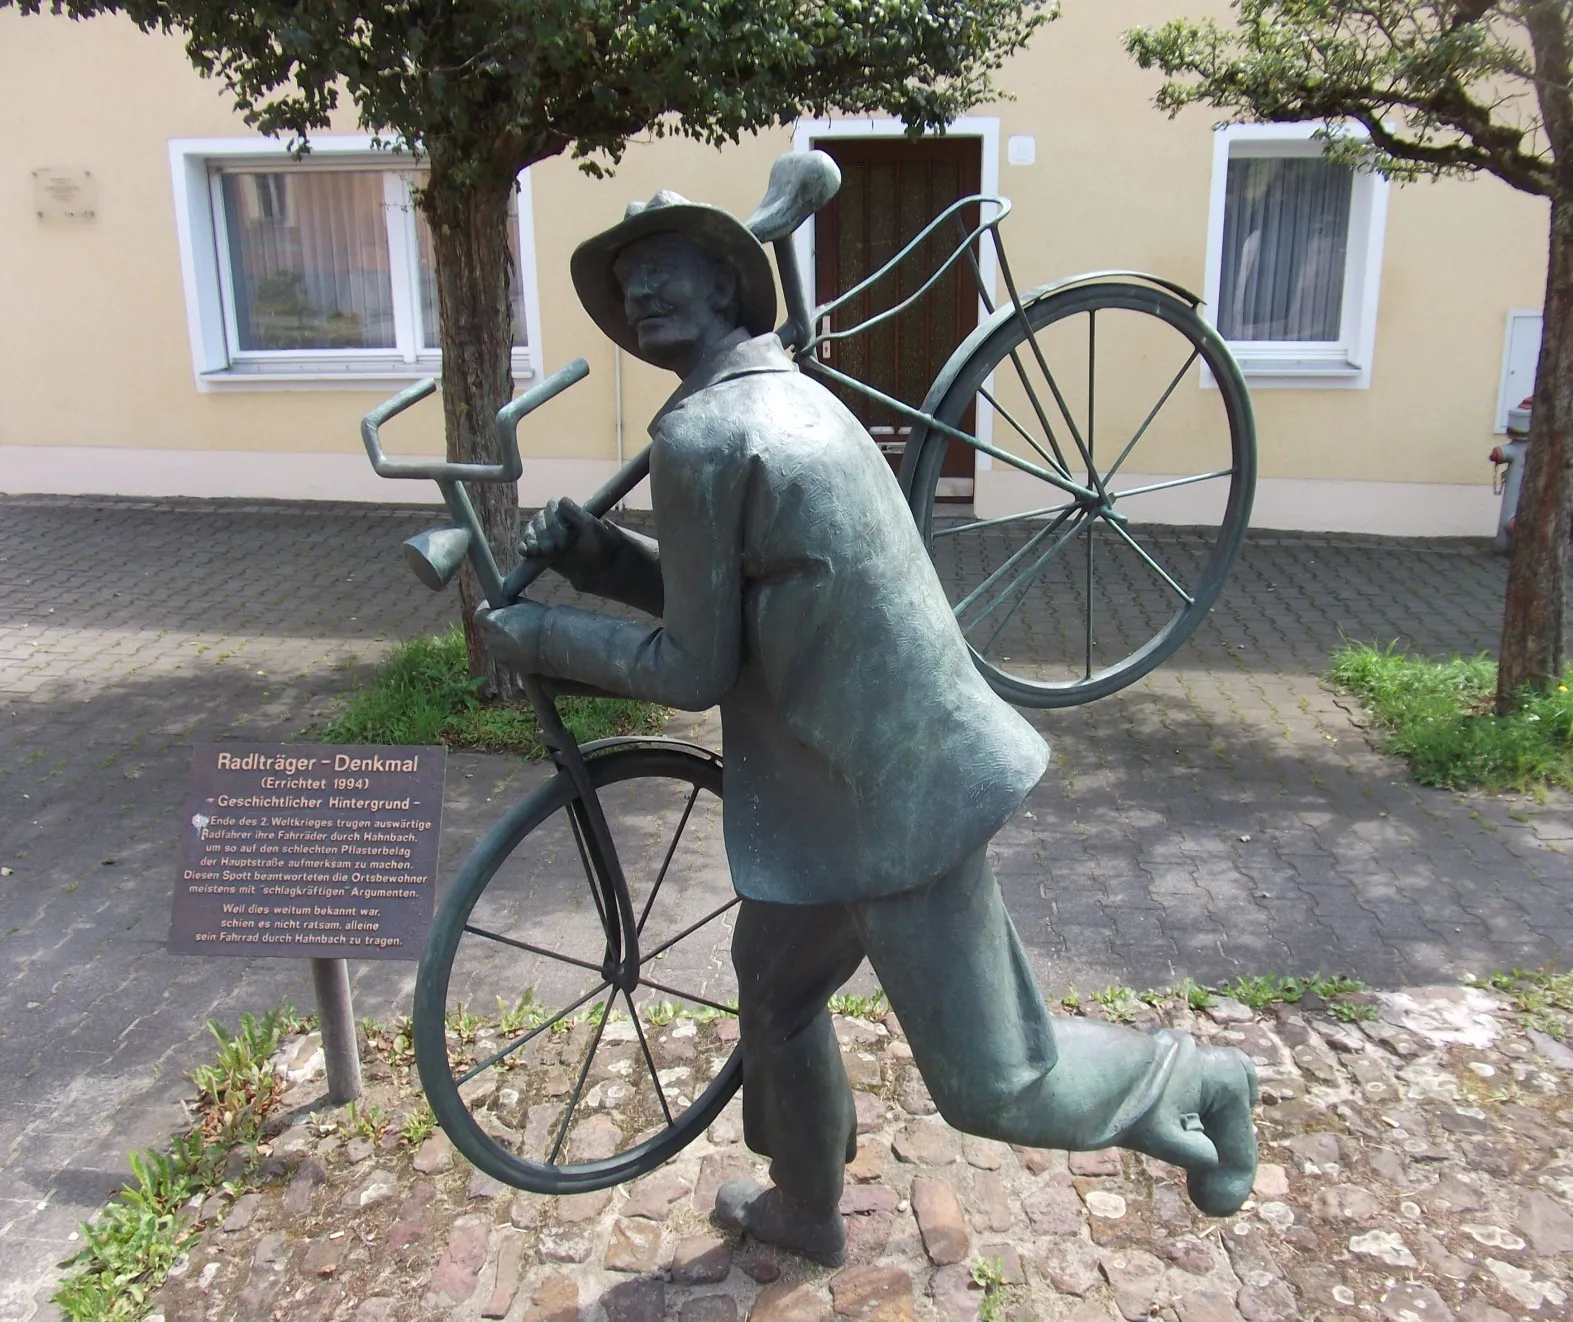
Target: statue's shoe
<point>761,1213</point>
<point>1229,1091</point>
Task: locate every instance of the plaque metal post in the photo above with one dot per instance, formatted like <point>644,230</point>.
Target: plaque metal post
<point>330,978</point>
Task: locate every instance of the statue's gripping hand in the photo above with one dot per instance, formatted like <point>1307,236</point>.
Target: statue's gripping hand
<point>571,540</point>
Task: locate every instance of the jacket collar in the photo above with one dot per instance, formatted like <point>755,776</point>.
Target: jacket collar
<point>737,355</point>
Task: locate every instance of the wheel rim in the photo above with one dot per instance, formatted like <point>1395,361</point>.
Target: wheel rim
<point>556,1098</point>
<point>1072,594</point>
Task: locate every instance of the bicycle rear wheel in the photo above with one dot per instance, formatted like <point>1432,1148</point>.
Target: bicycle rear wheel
<point>1125,500</point>
<point>585,1083</point>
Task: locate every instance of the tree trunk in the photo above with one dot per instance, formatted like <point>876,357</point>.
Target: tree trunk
<point>1534,619</point>
<point>469,228</point>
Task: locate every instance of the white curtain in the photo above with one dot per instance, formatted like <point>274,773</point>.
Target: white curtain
<point>309,259</point>
<point>1285,244</point>
<point>428,269</point>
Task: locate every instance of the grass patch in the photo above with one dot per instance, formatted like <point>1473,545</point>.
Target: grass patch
<point>130,1246</point>
<point>1543,998</point>
<point>424,694</point>
<point>1439,715</point>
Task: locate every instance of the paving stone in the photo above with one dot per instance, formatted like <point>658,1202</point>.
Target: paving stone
<point>939,1219</point>
<point>1272,1302</point>
<point>709,1308</point>
<point>872,1156</point>
<point>789,1302</point>
<point>241,1214</point>
<point>482,1185</point>
<point>653,1197</point>
<point>868,1235</point>
<point>860,1198</point>
<point>701,1260</point>
<point>510,1274</point>
<point>575,1208</point>
<point>1190,1254</point>
<point>1544,1222</point>
<point>595,1139</point>
<point>455,1274</point>
<point>565,1244</point>
<point>1053,1210</point>
<point>1205,1304</point>
<point>311,1172</point>
<point>414,1217</point>
<point>1348,1202</point>
<point>870,1112</point>
<point>990,1209</point>
<point>927,1143</point>
<point>1041,1161</point>
<point>1071,1266</point>
<point>635,1246</point>
<point>378,1187</point>
<point>914,1095</point>
<point>985,1154</point>
<point>323,1256</point>
<point>1134,1275</point>
<point>1272,1181</point>
<point>1105,1161</point>
<point>957,1296</point>
<point>1414,1301</point>
<point>435,1154</point>
<point>881,1293</point>
<point>862,1069</point>
<point>358,1150</point>
<point>1385,1246</point>
<point>555,1299</point>
<point>756,1265</point>
<point>640,1300</point>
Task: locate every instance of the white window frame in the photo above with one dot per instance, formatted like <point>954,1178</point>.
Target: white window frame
<point>1341,364</point>
<point>195,165</point>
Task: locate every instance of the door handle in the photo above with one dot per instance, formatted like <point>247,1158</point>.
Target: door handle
<point>824,344</point>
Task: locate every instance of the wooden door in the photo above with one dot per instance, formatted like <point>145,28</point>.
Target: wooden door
<point>891,188</point>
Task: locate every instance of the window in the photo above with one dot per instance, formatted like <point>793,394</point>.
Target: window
<point>1294,257</point>
<point>318,271</point>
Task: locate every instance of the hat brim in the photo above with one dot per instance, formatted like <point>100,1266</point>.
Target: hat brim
<point>716,231</point>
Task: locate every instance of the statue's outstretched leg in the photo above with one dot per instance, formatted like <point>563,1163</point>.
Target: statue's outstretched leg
<point>998,1065</point>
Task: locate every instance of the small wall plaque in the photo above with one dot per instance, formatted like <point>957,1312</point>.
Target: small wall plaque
<point>60,194</point>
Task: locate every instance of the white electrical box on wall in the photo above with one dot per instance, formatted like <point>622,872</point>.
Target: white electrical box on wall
<point>1520,354</point>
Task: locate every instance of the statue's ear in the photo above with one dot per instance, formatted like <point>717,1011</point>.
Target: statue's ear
<point>723,286</point>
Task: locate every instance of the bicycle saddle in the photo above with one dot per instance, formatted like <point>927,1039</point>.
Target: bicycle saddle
<point>800,183</point>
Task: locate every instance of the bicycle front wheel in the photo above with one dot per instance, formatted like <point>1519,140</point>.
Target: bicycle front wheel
<point>1097,547</point>
<point>582,1078</point>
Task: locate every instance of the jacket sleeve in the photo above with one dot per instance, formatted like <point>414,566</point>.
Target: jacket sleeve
<point>633,577</point>
<point>691,660</point>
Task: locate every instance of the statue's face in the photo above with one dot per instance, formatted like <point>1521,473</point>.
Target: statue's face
<point>678,299</point>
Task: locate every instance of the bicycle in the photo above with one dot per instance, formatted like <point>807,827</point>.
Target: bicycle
<point>519,1131</point>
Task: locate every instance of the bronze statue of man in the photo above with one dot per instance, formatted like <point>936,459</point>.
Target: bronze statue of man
<point>867,762</point>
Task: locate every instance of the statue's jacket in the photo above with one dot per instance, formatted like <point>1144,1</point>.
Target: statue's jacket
<point>865,754</point>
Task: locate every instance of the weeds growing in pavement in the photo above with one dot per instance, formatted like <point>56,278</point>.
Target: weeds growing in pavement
<point>424,694</point>
<point>990,1274</point>
<point>658,1014</point>
<point>850,1005</point>
<point>1441,716</point>
<point>128,1248</point>
<point>1542,997</point>
<point>418,1126</point>
<point>1119,1004</point>
<point>524,1013</point>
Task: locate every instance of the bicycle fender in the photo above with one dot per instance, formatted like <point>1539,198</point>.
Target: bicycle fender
<point>1003,313</point>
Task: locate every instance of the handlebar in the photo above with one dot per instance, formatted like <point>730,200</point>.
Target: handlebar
<point>508,418</point>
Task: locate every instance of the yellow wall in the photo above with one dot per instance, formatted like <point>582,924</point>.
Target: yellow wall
<point>95,352</point>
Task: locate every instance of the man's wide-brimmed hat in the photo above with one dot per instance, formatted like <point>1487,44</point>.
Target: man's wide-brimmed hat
<point>718,232</point>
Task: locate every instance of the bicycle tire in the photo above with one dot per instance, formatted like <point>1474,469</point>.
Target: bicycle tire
<point>485,1145</point>
<point>1155,637</point>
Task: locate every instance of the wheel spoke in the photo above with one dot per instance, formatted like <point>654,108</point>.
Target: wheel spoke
<point>1171,483</point>
<point>578,1088</point>
<point>1153,413</point>
<point>534,950</point>
<point>687,996</point>
<point>1056,458</point>
<point>1025,581</point>
<point>1030,579</point>
<point>1155,566</point>
<point>649,1060</point>
<point>687,931</point>
<point>1003,518</point>
<point>1015,557</point>
<point>1092,369</point>
<point>666,862</point>
<point>528,1037</point>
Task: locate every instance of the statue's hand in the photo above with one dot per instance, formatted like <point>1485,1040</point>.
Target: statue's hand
<point>569,538</point>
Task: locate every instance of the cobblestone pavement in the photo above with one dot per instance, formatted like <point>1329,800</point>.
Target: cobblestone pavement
<point>1224,815</point>
<point>1413,1168</point>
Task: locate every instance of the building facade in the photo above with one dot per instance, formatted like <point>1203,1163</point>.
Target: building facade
<point>190,311</point>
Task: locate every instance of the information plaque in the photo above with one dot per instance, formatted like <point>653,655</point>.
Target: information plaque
<point>328,852</point>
